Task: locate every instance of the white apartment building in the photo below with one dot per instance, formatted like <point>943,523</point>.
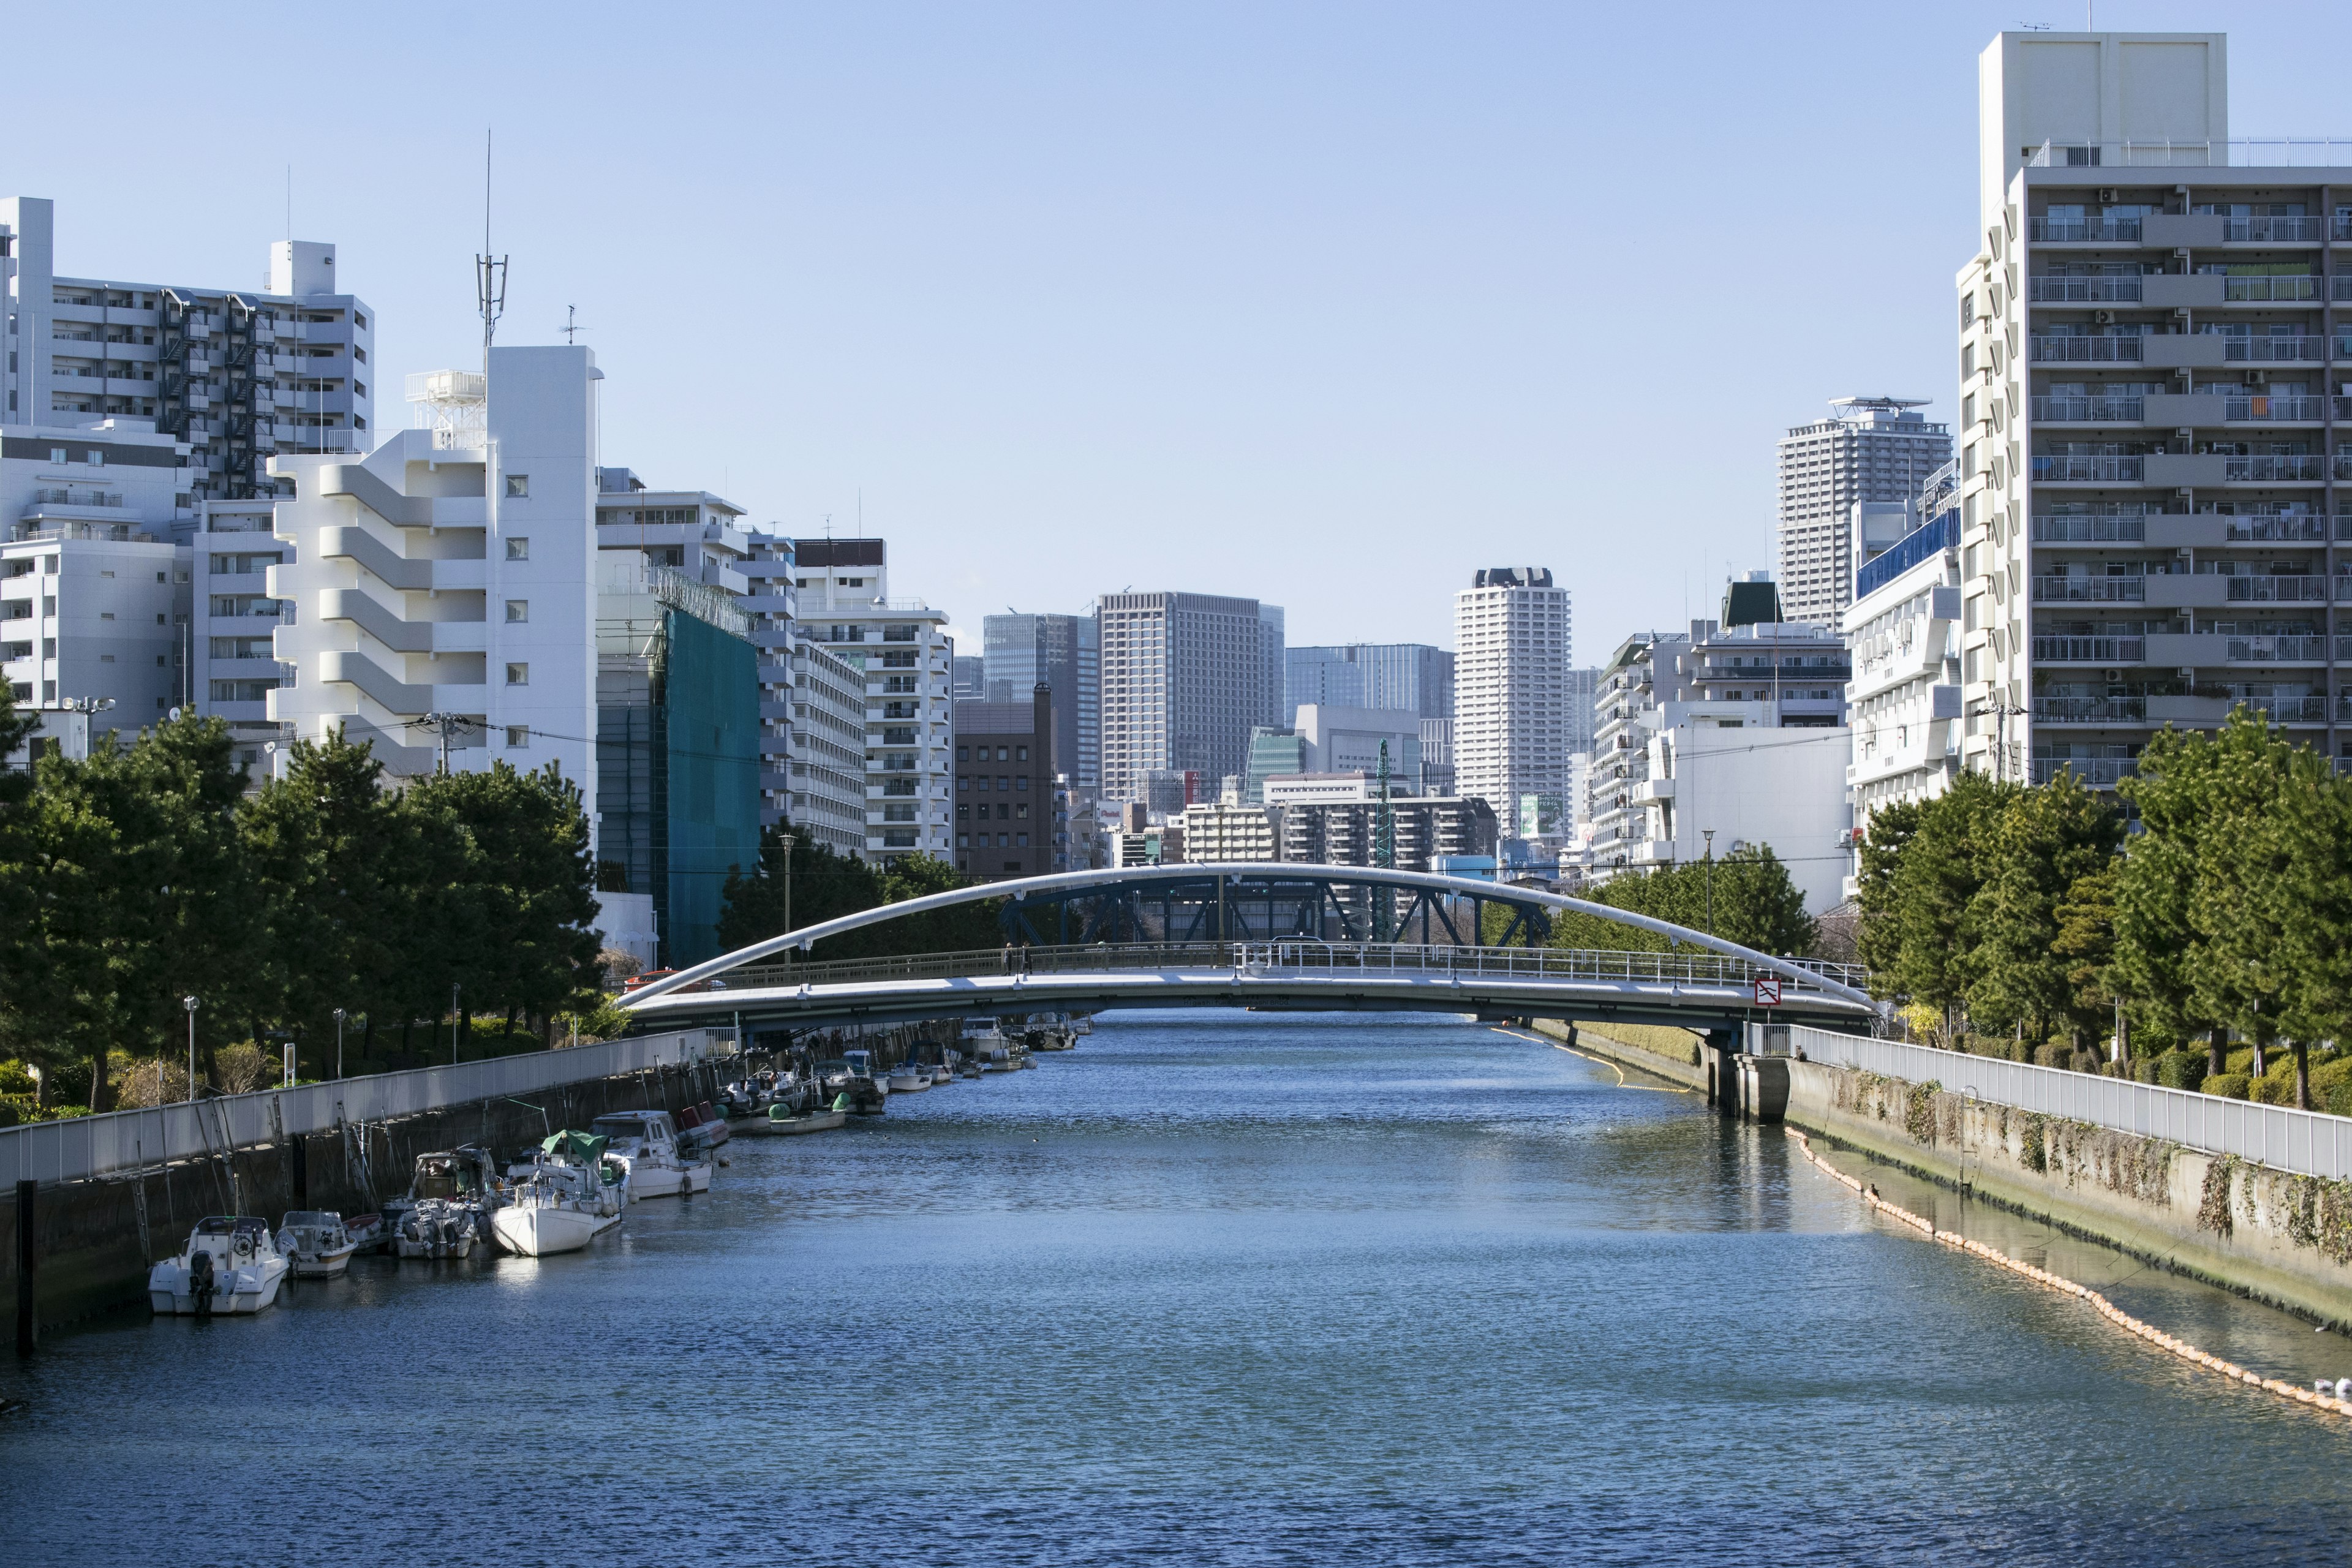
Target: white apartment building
<point>93,592</point>
<point>1512,728</point>
<point>1869,449</point>
<point>236,619</point>
<point>1901,637</point>
<point>902,649</point>
<point>1232,835</point>
<point>1184,678</point>
<point>1333,819</point>
<point>237,374</point>
<point>442,589</point>
<point>823,793</point>
<point>2153,493</point>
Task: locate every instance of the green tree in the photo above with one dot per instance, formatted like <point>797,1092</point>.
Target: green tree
<point>2238,967</point>
<point>825,885</point>
<point>2049,839</point>
<point>1888,833</point>
<point>1936,876</point>
<point>2307,902</point>
<point>2172,790</point>
<point>1756,902</point>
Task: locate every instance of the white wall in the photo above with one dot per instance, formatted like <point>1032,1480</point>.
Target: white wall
<point>1781,787</point>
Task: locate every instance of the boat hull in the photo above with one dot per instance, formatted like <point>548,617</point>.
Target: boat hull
<point>669,1181</point>
<point>787,1126</point>
<point>326,1265</point>
<point>540,1232</point>
<point>240,1293</point>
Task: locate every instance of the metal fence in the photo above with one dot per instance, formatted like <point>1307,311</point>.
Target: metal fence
<point>2305,1142</point>
<point>88,1146</point>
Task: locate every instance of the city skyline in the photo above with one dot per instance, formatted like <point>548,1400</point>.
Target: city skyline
<point>1133,379</point>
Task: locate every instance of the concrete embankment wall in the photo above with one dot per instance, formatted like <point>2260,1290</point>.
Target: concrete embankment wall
<point>2282,1239</point>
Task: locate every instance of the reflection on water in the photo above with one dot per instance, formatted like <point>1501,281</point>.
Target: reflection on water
<point>1213,1288</point>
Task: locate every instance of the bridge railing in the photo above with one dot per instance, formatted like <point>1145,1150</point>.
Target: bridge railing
<point>1296,955</point>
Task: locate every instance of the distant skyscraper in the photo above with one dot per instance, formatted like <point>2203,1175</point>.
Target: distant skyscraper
<point>1412,677</point>
<point>1184,678</point>
<point>1869,449</point>
<point>1059,652</point>
<point>970,679</point>
<point>1511,726</point>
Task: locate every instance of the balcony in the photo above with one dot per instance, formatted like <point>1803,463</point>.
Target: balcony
<point>2085,351</point>
<point>2292,289</point>
<point>2082,231</point>
<point>72,496</point>
<point>2269,469</point>
<point>2270,350</point>
<point>2059,290</point>
<point>2088,410</point>
<point>2090,711</point>
<point>2090,590</point>
<point>2089,650</point>
<point>2127,528</point>
<point>2095,773</point>
<point>2296,590</point>
<point>2270,230</point>
<point>2285,709</point>
<point>2275,528</point>
<point>2089,470</point>
<point>2275,649</point>
<point>2288,410</point>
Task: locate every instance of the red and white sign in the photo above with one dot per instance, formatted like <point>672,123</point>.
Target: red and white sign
<point>1768,991</point>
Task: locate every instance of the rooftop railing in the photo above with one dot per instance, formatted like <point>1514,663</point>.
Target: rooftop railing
<point>2230,153</point>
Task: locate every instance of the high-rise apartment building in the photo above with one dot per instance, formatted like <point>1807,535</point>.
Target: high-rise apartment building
<point>1511,724</point>
<point>1869,449</point>
<point>903,647</point>
<point>1411,677</point>
<point>237,374</point>
<point>2152,490</point>
<point>1019,652</point>
<point>1185,676</point>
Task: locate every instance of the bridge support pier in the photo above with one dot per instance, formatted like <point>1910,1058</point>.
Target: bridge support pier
<point>1720,1058</point>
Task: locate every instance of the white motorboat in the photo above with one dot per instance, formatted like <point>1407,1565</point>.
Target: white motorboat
<point>647,1142</point>
<point>232,1267</point>
<point>982,1033</point>
<point>436,1228</point>
<point>910,1078</point>
<point>782,1123</point>
<point>943,1071</point>
<point>462,1188</point>
<point>572,1195</point>
<point>317,1244</point>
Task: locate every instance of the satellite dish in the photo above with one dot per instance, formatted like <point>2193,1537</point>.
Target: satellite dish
<point>175,715</point>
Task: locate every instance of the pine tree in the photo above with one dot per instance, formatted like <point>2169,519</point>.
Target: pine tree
<point>2047,841</point>
<point>2172,791</point>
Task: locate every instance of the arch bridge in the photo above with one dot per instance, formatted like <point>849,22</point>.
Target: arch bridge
<point>1269,936</point>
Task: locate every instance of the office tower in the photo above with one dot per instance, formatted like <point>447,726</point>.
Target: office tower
<point>1438,756</point>
<point>1869,449</point>
<point>1185,676</point>
<point>1343,740</point>
<point>1059,652</point>
<point>2148,511</point>
<point>93,592</point>
<point>445,583</point>
<point>238,375</point>
<point>902,647</point>
<point>1412,677</point>
<point>970,679</point>
<point>1511,637</point>
<point>1004,787</point>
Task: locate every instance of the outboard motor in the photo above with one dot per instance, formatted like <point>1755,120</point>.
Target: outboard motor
<point>200,1282</point>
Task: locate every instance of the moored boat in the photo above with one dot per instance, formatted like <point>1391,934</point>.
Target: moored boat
<point>658,1167</point>
<point>317,1244</point>
<point>782,1123</point>
<point>572,1194</point>
<point>462,1188</point>
<point>231,1267</point>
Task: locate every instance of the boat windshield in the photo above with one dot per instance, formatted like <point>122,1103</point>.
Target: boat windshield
<point>307,1216</point>
<point>827,1068</point>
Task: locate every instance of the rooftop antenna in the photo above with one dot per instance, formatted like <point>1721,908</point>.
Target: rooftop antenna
<point>490,271</point>
<point>572,322</point>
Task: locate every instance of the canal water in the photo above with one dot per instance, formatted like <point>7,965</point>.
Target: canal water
<point>1213,1288</point>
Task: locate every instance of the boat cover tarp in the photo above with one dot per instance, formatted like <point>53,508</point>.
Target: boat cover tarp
<point>575,1148</point>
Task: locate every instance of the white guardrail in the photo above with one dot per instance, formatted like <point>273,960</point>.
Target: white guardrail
<point>119,1141</point>
<point>2304,1143</point>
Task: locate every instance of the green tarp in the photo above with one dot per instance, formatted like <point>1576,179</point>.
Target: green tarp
<point>575,1148</point>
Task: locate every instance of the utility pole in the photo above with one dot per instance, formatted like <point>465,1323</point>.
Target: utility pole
<point>449,724</point>
<point>338,1042</point>
<point>787,841</point>
<point>457,1022</point>
<point>1384,854</point>
<point>1708,833</point>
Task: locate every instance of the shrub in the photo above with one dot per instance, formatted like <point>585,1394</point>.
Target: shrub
<point>2275,1087</point>
<point>2052,1054</point>
<point>2329,1082</point>
<point>2143,1069</point>
<point>2229,1085</point>
<point>2181,1068</point>
<point>2240,1060</point>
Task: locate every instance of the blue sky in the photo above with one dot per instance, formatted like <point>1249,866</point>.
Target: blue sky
<point>1328,305</point>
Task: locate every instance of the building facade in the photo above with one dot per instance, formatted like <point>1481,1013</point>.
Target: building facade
<point>824,794</point>
<point>1060,653</point>
<point>1004,802</point>
<point>1185,677</point>
<point>1413,677</point>
<point>2152,490</point>
<point>239,376</point>
<point>1869,449</point>
<point>1511,731</point>
<point>902,647</point>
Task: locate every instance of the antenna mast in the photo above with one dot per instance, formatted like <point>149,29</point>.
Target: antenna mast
<point>490,271</point>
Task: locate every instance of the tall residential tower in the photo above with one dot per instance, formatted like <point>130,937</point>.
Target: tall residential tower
<point>1512,730</point>
<point>1869,449</point>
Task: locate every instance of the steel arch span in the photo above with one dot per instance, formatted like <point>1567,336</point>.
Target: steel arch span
<point>1239,935</point>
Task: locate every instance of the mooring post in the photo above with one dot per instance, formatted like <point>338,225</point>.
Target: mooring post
<point>29,1327</point>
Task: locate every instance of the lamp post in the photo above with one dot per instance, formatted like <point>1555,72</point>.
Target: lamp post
<point>338,1042</point>
<point>190,1004</point>
<point>1708,833</point>
<point>786,840</point>
<point>457,1022</point>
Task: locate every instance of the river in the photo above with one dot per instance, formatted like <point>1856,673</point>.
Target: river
<point>1213,1288</point>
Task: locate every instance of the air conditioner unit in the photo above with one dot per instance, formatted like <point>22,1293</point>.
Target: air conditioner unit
<point>2104,318</point>
<point>2258,378</point>
<point>2106,195</point>
<point>2113,674</point>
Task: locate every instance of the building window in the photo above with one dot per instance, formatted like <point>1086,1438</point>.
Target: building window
<point>518,734</point>
<point>518,549</point>
<point>1021,781</point>
<point>963,753</point>
<point>1021,755</point>
<point>517,675</point>
<point>517,487</point>
<point>1021,840</point>
<point>518,610</point>
<point>963,840</point>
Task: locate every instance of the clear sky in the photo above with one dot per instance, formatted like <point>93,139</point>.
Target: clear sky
<point>1324,304</point>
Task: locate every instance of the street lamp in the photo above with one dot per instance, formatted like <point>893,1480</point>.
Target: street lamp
<point>190,1004</point>
<point>457,1022</point>
<point>338,1042</point>
<point>786,841</point>
<point>1708,833</point>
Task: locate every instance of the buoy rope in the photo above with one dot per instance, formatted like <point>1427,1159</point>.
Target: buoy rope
<point>2107,1308</point>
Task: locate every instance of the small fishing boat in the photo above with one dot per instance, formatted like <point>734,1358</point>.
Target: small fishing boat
<point>943,1071</point>
<point>462,1187</point>
<point>572,1195</point>
<point>317,1244</point>
<point>910,1078</point>
<point>232,1267</point>
<point>700,1128</point>
<point>982,1032</point>
<point>658,1167</point>
<point>783,1123</point>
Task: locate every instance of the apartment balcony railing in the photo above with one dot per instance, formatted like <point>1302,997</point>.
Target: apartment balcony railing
<point>2274,468</point>
<point>2090,651</point>
<point>2086,410</point>
<point>2289,288</point>
<point>2090,710</point>
<point>2343,584</point>
<point>2058,289</point>
<point>2275,650</point>
<point>2277,230</point>
<point>2276,408</point>
<point>2124,527</point>
<point>60,496</point>
<point>2063,231</point>
<point>2296,590</point>
<point>2274,350</point>
<point>2285,709</point>
<point>2084,350</point>
<point>2089,590</point>
<point>2343,469</point>
<point>2277,527</point>
<point>2095,773</point>
<point>2089,470</point>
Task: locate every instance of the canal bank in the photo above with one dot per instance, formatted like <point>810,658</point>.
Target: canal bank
<point>2277,1237</point>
